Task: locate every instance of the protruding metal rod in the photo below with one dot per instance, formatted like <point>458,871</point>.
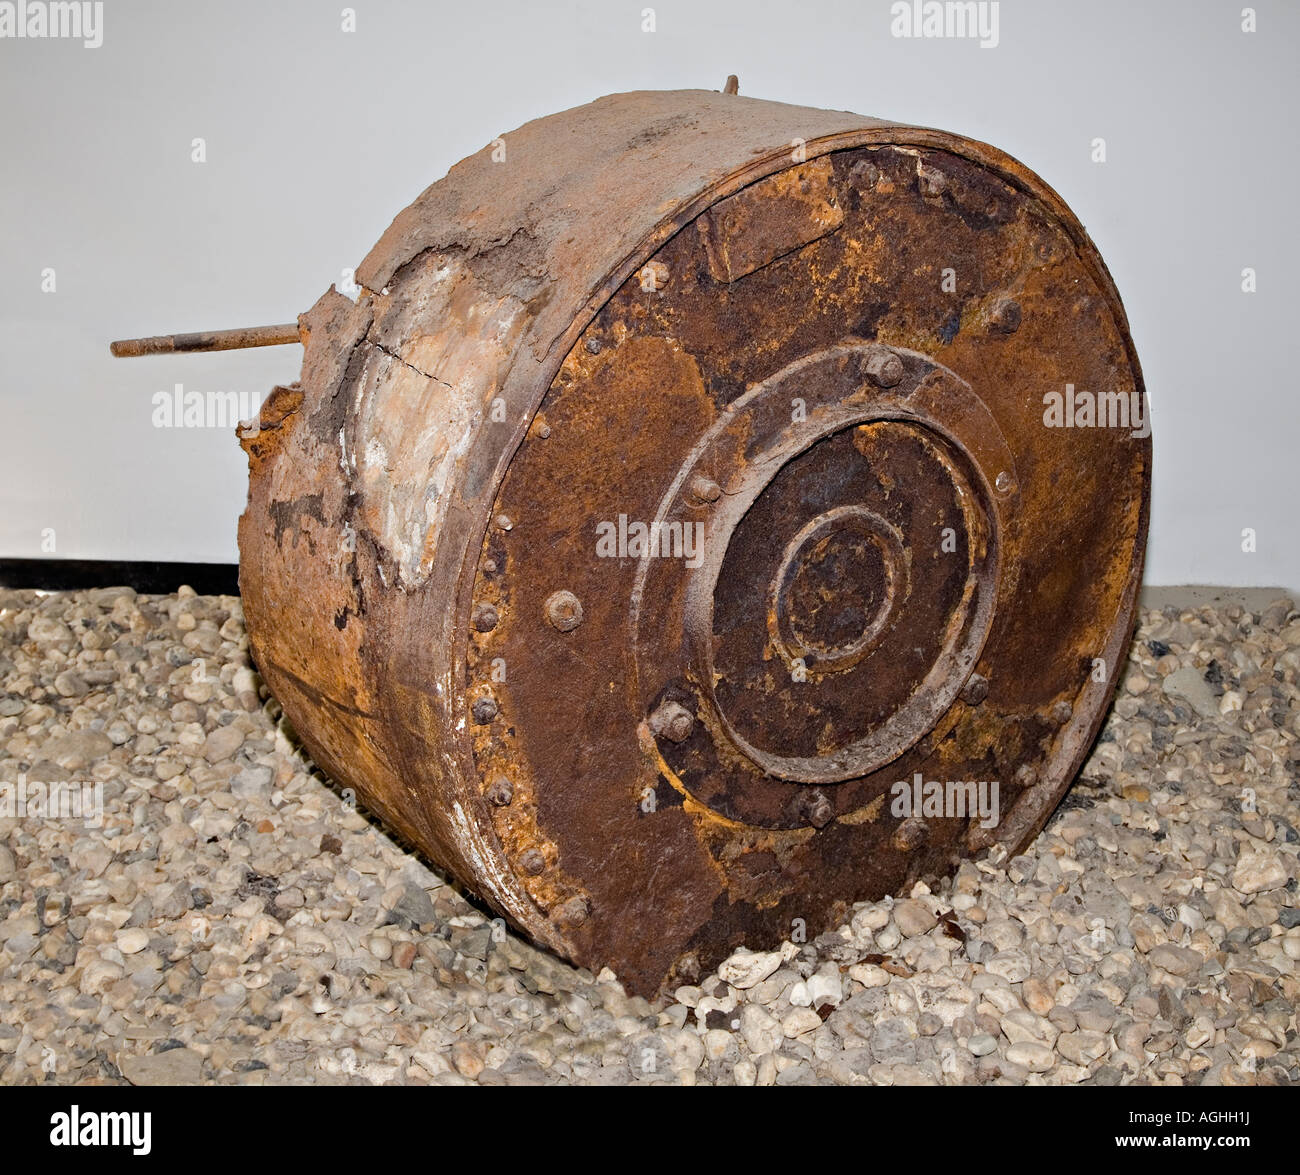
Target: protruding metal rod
<point>210,340</point>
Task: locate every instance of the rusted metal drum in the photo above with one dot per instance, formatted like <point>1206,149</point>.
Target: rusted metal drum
<point>689,530</point>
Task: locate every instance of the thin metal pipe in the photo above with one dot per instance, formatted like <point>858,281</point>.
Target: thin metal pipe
<point>211,340</point>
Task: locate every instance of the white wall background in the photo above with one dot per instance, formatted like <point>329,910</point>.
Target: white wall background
<point>317,137</point>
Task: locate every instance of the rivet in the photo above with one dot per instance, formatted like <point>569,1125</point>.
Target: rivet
<point>1006,316</point>
<point>816,809</point>
<point>673,721</point>
<point>532,862</point>
<point>1062,712</point>
<point>485,617</point>
<point>504,521</point>
<point>705,489</point>
<point>882,367</point>
<point>563,611</point>
<point>489,565</point>
<point>1004,483</point>
<point>484,709</point>
<point>500,791</point>
<point>975,690</point>
<point>593,345</point>
<point>544,431</point>
<point>1025,776</point>
<point>574,912</point>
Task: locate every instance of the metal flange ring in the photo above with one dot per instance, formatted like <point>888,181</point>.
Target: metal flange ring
<point>821,475</point>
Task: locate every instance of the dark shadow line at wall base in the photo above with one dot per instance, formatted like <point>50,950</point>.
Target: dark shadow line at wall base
<point>62,575</point>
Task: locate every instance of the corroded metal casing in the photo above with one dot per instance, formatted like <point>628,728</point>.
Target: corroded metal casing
<point>693,528</point>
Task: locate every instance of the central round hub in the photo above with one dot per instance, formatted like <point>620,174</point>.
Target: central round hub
<point>836,588</point>
<point>844,595</point>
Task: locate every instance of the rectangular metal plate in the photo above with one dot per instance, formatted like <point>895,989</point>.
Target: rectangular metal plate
<point>769,219</point>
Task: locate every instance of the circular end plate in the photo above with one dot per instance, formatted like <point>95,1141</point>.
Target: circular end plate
<point>842,604</point>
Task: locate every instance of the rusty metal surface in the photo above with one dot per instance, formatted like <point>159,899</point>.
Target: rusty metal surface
<point>723,326</point>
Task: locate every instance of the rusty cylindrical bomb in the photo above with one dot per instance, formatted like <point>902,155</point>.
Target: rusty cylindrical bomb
<point>675,539</point>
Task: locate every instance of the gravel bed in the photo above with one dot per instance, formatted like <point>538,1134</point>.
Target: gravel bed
<point>233,919</point>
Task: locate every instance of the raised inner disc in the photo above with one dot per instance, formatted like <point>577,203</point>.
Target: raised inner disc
<point>840,581</point>
<point>847,575</point>
<point>827,654</point>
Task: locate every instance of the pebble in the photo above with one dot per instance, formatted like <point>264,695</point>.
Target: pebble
<point>1031,1055</point>
<point>761,1031</point>
<point>78,749</point>
<point>1258,871</point>
<point>1037,995</point>
<point>132,941</point>
<point>235,922</point>
<point>824,987</point>
<point>745,969</point>
<point>914,917</point>
<point>222,743</point>
<point>180,1066</point>
<point>1190,685</point>
<point>1176,960</point>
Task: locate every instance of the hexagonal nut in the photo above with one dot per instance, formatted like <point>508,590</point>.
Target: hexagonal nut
<point>882,367</point>
<point>815,808</point>
<point>673,721</point>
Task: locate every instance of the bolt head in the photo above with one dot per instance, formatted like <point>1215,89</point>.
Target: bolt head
<point>654,276</point>
<point>673,721</point>
<point>933,181</point>
<point>593,345</point>
<point>485,617</point>
<point>504,521</point>
<point>866,174</point>
<point>911,835</point>
<point>574,912</point>
<point>532,862</point>
<point>705,489</point>
<point>816,809</point>
<point>500,791</point>
<point>1006,316</point>
<point>975,690</point>
<point>882,367</point>
<point>1004,483</point>
<point>484,709</point>
<point>563,611</point>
